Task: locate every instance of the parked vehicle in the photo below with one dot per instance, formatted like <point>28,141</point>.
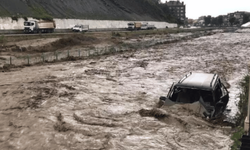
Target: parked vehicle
<point>80,28</point>
<point>131,26</point>
<point>144,26</point>
<point>140,26</point>
<point>137,25</point>
<point>34,26</point>
<point>134,26</point>
<point>151,27</point>
<point>200,87</point>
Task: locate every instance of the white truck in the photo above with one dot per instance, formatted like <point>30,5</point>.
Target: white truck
<point>34,26</point>
<point>151,27</point>
<point>140,26</point>
<point>80,28</point>
<point>131,26</point>
<point>144,26</point>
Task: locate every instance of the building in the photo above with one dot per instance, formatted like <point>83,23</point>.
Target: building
<point>178,9</point>
<point>238,15</point>
<point>200,21</point>
<point>238,19</point>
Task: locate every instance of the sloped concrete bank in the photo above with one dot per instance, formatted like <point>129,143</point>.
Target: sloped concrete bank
<point>9,24</point>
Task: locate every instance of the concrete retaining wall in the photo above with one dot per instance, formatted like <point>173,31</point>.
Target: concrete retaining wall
<point>9,24</point>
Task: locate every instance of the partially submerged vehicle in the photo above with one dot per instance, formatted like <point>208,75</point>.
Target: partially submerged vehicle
<point>207,89</point>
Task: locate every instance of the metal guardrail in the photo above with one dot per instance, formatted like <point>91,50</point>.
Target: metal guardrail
<point>20,31</point>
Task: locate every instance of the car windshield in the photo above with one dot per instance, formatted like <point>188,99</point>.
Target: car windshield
<point>27,24</point>
<point>77,26</point>
<point>184,95</point>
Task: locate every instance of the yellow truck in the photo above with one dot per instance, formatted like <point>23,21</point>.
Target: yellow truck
<point>134,26</point>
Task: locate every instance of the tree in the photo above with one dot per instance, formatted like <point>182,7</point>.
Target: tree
<point>220,20</point>
<point>179,22</point>
<point>237,22</point>
<point>246,18</point>
<point>232,20</point>
<point>190,21</point>
<point>214,21</point>
<point>207,20</point>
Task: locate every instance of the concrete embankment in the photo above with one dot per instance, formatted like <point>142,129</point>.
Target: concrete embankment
<point>9,24</point>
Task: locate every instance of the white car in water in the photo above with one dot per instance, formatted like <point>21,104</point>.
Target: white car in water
<point>207,89</point>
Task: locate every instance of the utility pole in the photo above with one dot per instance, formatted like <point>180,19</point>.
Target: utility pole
<point>245,139</point>
<point>248,112</point>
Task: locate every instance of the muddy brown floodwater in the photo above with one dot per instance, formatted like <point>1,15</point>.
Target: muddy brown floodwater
<point>110,102</point>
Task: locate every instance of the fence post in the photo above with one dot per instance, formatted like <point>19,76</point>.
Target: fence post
<point>10,61</point>
<point>56,55</point>
<point>248,112</point>
<point>28,60</point>
<point>79,53</point>
<point>68,53</point>
<point>43,57</point>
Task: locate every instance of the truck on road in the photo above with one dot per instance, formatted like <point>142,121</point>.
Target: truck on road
<point>80,28</point>
<point>34,26</point>
<point>140,26</point>
<point>134,26</point>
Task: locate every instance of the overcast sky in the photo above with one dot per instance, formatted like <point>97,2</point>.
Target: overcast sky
<point>197,8</point>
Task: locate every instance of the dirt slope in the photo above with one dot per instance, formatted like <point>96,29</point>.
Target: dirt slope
<point>85,9</point>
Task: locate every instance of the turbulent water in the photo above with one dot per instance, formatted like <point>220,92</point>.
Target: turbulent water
<point>112,102</point>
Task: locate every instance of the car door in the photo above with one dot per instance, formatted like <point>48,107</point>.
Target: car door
<point>171,92</point>
<point>225,96</point>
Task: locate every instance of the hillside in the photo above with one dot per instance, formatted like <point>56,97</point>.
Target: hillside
<point>139,10</point>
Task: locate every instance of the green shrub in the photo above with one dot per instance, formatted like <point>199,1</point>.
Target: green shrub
<point>25,18</point>
<point>116,34</point>
<point>14,18</point>
<point>41,13</point>
<point>243,102</point>
<point>236,136</point>
<point>241,114</point>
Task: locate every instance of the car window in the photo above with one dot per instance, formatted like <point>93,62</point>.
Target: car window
<point>207,96</point>
<point>217,93</point>
<point>223,90</point>
<point>26,23</point>
<point>183,96</point>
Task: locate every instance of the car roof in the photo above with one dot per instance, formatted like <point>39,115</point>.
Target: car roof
<point>204,81</point>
